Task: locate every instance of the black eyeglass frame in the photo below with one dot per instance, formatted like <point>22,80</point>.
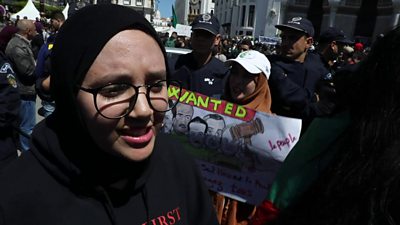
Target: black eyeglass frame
<point>132,102</point>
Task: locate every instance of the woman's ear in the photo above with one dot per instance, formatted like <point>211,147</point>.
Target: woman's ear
<point>309,41</point>
<point>217,39</point>
<point>332,45</point>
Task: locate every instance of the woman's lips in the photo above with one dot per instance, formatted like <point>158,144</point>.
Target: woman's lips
<point>138,137</point>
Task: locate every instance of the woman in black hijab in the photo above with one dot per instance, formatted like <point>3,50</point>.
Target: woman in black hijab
<point>99,159</point>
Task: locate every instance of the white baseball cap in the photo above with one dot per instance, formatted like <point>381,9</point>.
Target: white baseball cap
<point>252,61</point>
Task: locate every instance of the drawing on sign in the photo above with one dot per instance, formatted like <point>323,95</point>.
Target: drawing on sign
<point>238,150</point>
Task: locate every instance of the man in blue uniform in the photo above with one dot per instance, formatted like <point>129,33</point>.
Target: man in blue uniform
<point>43,67</point>
<point>331,46</point>
<point>9,110</point>
<point>199,71</point>
<point>297,75</point>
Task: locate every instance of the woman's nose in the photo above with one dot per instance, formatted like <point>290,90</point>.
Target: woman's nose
<point>142,107</point>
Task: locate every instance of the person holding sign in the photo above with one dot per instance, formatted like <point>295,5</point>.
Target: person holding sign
<point>99,158</point>
<point>248,82</point>
<point>248,86</point>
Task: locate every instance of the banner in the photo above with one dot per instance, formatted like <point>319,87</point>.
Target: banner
<point>269,40</point>
<point>238,150</point>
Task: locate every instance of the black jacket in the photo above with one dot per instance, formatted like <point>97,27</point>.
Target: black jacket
<point>9,110</point>
<point>44,186</point>
<point>209,79</point>
<point>294,85</point>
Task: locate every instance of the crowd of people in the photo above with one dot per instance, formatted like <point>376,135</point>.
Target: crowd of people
<point>99,156</point>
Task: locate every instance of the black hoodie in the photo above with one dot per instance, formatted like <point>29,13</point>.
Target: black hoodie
<point>44,187</point>
<point>67,179</point>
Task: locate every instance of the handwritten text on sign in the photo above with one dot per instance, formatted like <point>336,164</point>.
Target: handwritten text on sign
<point>238,185</point>
<point>211,104</point>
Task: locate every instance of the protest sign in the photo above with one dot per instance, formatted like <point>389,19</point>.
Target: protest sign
<point>238,150</point>
<point>183,30</point>
<point>269,40</point>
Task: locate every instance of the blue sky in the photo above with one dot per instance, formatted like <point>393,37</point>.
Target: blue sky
<point>165,7</point>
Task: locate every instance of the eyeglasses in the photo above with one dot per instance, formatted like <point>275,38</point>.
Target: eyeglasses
<point>114,101</point>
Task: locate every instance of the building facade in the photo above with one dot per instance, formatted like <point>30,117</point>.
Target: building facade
<point>187,10</point>
<point>357,18</point>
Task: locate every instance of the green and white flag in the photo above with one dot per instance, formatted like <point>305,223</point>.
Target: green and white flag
<point>174,18</point>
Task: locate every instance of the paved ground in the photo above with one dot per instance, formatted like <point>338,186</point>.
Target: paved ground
<point>38,105</point>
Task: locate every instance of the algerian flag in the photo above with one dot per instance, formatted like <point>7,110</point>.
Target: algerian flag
<point>309,157</point>
<point>174,18</point>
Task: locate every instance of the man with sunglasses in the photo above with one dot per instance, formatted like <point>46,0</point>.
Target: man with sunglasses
<point>296,73</point>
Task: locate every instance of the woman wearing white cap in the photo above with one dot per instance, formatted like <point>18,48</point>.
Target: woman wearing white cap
<point>247,85</point>
<point>248,81</point>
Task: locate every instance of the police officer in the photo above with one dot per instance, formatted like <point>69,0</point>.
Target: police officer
<point>331,46</point>
<point>296,74</point>
<point>199,71</point>
<point>9,111</point>
<point>43,67</point>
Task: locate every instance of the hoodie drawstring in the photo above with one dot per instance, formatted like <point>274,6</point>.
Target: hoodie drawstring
<point>146,205</point>
<point>108,205</point>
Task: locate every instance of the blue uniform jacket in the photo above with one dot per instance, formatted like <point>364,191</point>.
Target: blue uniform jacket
<point>9,110</point>
<point>293,85</point>
<point>43,67</point>
<point>208,80</point>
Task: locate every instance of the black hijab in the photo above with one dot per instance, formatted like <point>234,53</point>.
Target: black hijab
<point>80,40</point>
